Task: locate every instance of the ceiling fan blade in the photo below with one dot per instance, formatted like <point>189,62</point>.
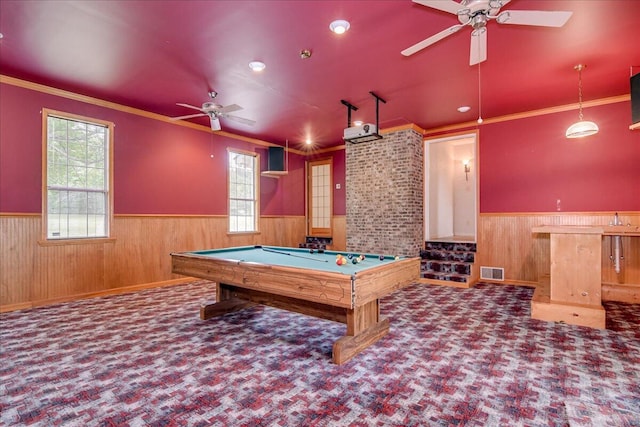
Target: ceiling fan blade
<point>431,40</point>
<point>229,109</point>
<point>215,123</point>
<point>443,5</point>
<point>241,120</point>
<point>534,17</point>
<point>189,106</point>
<point>478,46</point>
<point>190,116</point>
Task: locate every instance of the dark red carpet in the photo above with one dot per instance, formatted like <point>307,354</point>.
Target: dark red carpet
<point>454,357</point>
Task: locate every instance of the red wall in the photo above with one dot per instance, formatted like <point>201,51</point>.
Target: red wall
<point>159,168</point>
<point>527,165</point>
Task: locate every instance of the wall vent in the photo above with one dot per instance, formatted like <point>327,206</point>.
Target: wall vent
<point>492,273</point>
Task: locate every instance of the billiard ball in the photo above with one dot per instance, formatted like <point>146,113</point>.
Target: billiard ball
<point>362,257</point>
<point>354,260</point>
<point>397,257</point>
<point>320,251</point>
<point>311,251</point>
<point>349,256</point>
<point>343,261</point>
<point>381,257</point>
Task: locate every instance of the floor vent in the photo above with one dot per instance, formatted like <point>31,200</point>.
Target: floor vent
<point>492,273</point>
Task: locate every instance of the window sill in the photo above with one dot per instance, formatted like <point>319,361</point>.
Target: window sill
<point>65,242</point>
<point>241,233</point>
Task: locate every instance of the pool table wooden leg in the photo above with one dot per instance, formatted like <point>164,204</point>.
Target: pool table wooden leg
<point>364,327</point>
<point>227,302</point>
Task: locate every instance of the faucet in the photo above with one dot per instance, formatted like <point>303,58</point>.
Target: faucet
<point>616,220</point>
<point>617,254</point>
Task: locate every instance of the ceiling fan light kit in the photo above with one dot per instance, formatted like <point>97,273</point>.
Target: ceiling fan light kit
<point>477,13</point>
<point>581,128</point>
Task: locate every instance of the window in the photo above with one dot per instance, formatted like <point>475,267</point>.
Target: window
<point>76,176</point>
<point>243,192</point>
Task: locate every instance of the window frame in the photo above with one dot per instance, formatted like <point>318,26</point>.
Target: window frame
<point>44,238</point>
<point>256,187</point>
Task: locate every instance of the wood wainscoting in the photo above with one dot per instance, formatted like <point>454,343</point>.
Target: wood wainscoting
<point>506,241</point>
<point>339,233</point>
<point>33,275</point>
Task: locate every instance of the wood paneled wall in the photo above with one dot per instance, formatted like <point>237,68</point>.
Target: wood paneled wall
<point>31,274</point>
<point>505,240</point>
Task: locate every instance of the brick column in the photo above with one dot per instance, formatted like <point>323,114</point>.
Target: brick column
<point>385,194</point>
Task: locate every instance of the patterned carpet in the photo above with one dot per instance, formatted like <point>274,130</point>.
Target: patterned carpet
<point>453,357</point>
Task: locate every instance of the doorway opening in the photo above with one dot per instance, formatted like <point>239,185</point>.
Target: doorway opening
<point>451,167</point>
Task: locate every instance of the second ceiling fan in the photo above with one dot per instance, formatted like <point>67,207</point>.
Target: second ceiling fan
<point>476,14</point>
<point>215,112</point>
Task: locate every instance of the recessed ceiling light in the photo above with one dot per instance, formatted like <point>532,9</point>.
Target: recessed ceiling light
<point>339,26</point>
<point>257,65</point>
<point>464,108</point>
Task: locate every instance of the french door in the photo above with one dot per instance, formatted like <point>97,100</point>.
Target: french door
<point>320,197</point>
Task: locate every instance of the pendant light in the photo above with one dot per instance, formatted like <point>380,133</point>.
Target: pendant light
<point>581,128</point>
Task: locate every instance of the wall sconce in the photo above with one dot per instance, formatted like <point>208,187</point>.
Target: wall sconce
<point>467,169</point>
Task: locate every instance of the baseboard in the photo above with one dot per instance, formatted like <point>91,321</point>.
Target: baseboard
<point>450,283</point>
<point>621,292</point>
<point>116,291</point>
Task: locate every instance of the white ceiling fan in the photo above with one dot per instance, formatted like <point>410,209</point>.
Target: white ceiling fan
<point>215,112</point>
<point>476,14</point>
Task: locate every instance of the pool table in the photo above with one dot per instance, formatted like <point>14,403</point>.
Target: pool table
<point>306,282</point>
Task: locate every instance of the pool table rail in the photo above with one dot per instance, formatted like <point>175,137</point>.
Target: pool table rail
<point>310,285</point>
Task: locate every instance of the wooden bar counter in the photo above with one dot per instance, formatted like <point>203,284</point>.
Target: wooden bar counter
<point>573,291</point>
